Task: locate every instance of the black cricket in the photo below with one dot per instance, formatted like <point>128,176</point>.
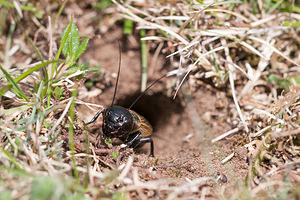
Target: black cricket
<point>124,123</point>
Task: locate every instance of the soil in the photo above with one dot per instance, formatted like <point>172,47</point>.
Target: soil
<point>183,128</point>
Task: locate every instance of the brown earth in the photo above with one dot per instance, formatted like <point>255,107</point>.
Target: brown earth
<point>183,127</point>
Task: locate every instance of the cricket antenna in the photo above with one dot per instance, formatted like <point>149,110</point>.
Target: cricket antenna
<point>143,93</point>
<point>117,81</point>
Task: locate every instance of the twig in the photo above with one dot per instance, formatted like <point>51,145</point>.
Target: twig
<point>126,169</point>
<point>264,20</point>
<point>61,117</point>
<point>223,41</point>
<point>206,64</point>
<point>286,133</point>
<point>229,157</point>
<point>220,137</point>
<point>50,35</point>
<point>259,111</point>
<point>191,67</point>
<point>136,181</point>
<point>260,132</point>
<point>274,49</point>
<point>261,67</point>
<point>187,187</point>
<point>194,17</point>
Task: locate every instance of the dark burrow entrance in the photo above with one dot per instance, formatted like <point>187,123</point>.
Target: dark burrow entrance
<point>157,108</point>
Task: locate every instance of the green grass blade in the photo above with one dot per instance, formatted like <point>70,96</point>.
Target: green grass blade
<point>291,24</point>
<point>35,68</point>
<point>11,159</point>
<point>144,60</point>
<point>128,26</point>
<point>14,84</point>
<point>8,45</point>
<point>38,53</point>
<point>16,172</point>
<point>25,74</point>
<point>220,3</point>
<point>71,134</point>
<point>6,4</point>
<point>274,7</point>
<point>35,106</point>
<point>12,110</point>
<point>59,12</point>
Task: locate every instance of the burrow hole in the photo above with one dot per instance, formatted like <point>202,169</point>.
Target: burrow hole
<point>157,107</point>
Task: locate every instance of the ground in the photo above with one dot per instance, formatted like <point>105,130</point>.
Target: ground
<point>241,61</point>
<point>182,135</point>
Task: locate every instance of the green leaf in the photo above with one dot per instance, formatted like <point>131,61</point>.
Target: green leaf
<point>272,79</point>
<point>65,38</point>
<point>102,4</point>
<point>81,48</point>
<point>297,79</point>
<point>71,44</point>
<point>108,141</point>
<point>63,47</point>
<point>115,155</point>
<point>119,196</point>
<point>74,40</point>
<point>58,91</point>
<point>54,68</point>
<point>89,84</point>
<point>285,83</point>
<point>85,66</point>
<point>72,69</point>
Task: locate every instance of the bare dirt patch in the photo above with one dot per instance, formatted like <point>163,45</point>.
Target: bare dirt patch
<point>183,127</point>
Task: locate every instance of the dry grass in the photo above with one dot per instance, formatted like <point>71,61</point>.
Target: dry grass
<point>253,57</point>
